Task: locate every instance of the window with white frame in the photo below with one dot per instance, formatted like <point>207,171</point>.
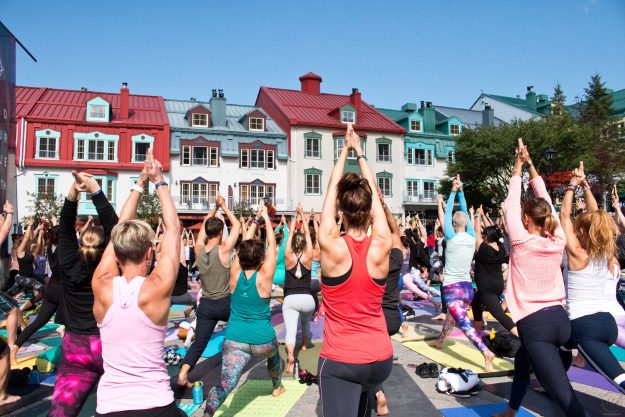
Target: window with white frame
<point>312,178</point>
<point>385,185</point>
<point>451,156</point>
<point>258,158</point>
<point>313,147</point>
<point>140,145</point>
<point>193,192</point>
<point>415,125</point>
<point>95,147</point>
<point>429,189</point>
<point>185,155</point>
<point>107,185</point>
<point>384,152</point>
<point>412,188</point>
<point>47,144</point>
<point>97,111</point>
<point>45,186</point>
<point>454,130</point>
<point>422,157</point>
<point>199,120</point>
<point>204,156</point>
<point>257,124</point>
<point>214,156</point>
<point>200,155</point>
<point>338,148</point>
<point>253,193</point>
<point>348,116</point>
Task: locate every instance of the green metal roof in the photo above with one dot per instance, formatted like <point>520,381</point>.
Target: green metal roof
<point>618,105</point>
<point>517,102</point>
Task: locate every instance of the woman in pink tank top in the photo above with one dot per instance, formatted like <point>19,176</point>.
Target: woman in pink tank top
<point>357,353</point>
<point>132,309</point>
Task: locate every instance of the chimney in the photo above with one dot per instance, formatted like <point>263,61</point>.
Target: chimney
<point>193,99</point>
<point>124,99</point>
<point>409,107</point>
<point>422,104</point>
<point>83,89</point>
<point>218,109</point>
<point>488,116</point>
<point>355,100</point>
<point>311,83</point>
<point>530,98</point>
<point>429,117</point>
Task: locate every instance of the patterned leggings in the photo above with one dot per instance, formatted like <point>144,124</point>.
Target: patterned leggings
<point>235,356</point>
<point>79,371</point>
<point>459,296</point>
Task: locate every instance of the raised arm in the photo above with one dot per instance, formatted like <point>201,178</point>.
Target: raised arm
<point>86,226</point>
<point>308,254</point>
<point>448,227</point>
<point>463,207</point>
<point>288,249</point>
<point>512,205</point>
<point>269,266</point>
<point>573,248</point>
<point>235,229</point>
<point>8,220</point>
<point>478,228</point>
<point>28,235</point>
<point>67,249</point>
<point>251,230</point>
<point>589,198</point>
<point>392,225</point>
<point>620,217</point>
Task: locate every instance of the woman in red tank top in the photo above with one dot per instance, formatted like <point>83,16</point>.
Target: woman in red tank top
<point>357,353</point>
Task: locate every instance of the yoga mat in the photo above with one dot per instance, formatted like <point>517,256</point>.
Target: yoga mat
<point>457,355</point>
<point>277,319</point>
<point>416,332</point>
<point>590,377</point>
<point>404,397</point>
<point>215,344</point>
<point>540,403</point>
<point>42,408</point>
<point>618,352</point>
<point>172,334</point>
<point>52,341</point>
<point>307,359</point>
<point>254,399</point>
<point>178,307</point>
<point>315,333</point>
<point>30,348</point>
<point>485,410</point>
<point>189,408</point>
<point>48,379</point>
<point>45,329</point>
<point>48,360</point>
<point>27,362</point>
<point>29,394</point>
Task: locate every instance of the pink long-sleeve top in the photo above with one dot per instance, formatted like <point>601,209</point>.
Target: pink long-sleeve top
<point>535,277</point>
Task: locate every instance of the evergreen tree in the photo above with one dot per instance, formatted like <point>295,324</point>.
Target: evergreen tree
<point>597,106</point>
<point>557,101</point>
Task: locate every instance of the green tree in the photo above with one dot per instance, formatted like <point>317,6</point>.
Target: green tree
<point>557,101</point>
<point>149,209</point>
<point>243,209</point>
<point>44,206</point>
<point>597,105</point>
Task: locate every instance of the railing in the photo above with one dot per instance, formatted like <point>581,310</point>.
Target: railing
<point>204,204</point>
<point>428,197</point>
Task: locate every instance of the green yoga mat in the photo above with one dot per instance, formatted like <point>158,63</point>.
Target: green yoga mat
<point>254,399</point>
<point>47,328</point>
<point>307,360</point>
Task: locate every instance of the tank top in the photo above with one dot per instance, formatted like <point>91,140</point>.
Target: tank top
<point>354,326</point>
<point>214,275</point>
<point>135,376</point>
<point>250,315</point>
<point>405,266</point>
<point>314,269</point>
<point>591,290</point>
<point>390,300</point>
<point>181,285</point>
<point>488,273</point>
<point>26,265</point>
<point>294,285</point>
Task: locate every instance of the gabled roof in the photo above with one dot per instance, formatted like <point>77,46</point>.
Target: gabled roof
<point>471,118</point>
<point>517,102</point>
<point>71,106</point>
<point>235,113</point>
<point>618,105</point>
<point>315,110</point>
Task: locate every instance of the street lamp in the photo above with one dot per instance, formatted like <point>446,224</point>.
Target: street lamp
<point>549,154</point>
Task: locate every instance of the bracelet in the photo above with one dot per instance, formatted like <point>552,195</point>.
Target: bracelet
<point>96,193</point>
<point>530,164</point>
<point>572,185</point>
<point>138,189</point>
<point>160,184</point>
<point>361,156</point>
<point>257,221</point>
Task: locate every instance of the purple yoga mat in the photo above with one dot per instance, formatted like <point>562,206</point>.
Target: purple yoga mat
<point>316,331</point>
<point>277,318</point>
<point>590,377</point>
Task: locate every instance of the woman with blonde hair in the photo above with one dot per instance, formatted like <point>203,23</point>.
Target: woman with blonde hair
<point>592,279</point>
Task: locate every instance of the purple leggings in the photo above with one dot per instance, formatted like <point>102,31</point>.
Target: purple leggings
<point>459,296</point>
<point>79,370</point>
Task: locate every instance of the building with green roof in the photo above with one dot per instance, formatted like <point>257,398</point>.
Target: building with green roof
<point>510,108</point>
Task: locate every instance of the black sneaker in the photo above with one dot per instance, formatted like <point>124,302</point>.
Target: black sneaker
<point>433,370</point>
<point>423,370</point>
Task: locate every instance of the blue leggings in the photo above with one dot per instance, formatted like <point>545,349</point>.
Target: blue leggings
<point>459,296</point>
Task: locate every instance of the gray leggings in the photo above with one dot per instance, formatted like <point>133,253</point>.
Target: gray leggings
<point>297,306</point>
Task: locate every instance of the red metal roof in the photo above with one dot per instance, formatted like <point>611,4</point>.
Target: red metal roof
<point>313,110</point>
<point>71,106</point>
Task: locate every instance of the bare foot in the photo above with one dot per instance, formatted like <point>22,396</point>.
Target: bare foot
<point>278,391</point>
<point>539,389</point>
<point>404,329</point>
<point>304,344</point>
<point>289,366</point>
<point>489,357</point>
<point>579,361</point>
<point>440,317</point>
<point>13,355</point>
<point>437,344</point>
<point>508,412</point>
<point>437,306</point>
<point>8,399</point>
<point>382,404</point>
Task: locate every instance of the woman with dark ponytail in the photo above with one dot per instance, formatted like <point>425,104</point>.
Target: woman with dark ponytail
<point>535,293</point>
<point>357,353</point>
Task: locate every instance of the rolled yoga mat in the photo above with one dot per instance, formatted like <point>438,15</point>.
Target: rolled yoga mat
<point>416,332</point>
<point>254,399</point>
<point>459,355</point>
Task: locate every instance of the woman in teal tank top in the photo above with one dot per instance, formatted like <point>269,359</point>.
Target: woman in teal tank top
<point>249,331</point>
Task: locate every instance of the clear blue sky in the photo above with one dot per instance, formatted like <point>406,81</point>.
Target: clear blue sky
<point>394,51</point>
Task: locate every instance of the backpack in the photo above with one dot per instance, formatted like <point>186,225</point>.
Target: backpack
<point>459,382</point>
<point>503,344</point>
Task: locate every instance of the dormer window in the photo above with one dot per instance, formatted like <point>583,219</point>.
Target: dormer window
<point>415,125</point>
<point>348,116</point>
<point>199,120</point>
<point>454,130</point>
<point>98,110</point>
<point>257,124</point>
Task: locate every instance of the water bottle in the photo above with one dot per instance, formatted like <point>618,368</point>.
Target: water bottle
<point>34,376</point>
<point>198,394</point>
<point>296,370</point>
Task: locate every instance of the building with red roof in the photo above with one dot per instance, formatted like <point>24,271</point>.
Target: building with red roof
<point>106,134</point>
<point>315,124</point>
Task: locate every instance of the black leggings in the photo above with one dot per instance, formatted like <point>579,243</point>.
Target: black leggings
<point>542,335</point>
<point>594,334</point>
<point>343,385</point>
<point>23,283</point>
<point>490,300</point>
<point>170,410</point>
<point>50,305</point>
<point>209,313</point>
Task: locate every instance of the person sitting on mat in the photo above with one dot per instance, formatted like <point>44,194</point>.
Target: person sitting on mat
<point>592,278</point>
<point>249,332</point>
<point>132,309</point>
<point>213,259</point>
<point>299,304</point>
<point>357,354</point>
<point>535,292</point>
<point>457,288</point>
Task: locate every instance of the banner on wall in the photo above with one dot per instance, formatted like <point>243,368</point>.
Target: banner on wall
<point>7,103</point>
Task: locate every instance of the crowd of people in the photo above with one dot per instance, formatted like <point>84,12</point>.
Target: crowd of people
<point>111,287</point>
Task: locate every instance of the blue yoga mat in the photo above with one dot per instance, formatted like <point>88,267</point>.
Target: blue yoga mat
<point>215,344</point>
<point>178,307</point>
<point>618,352</point>
<point>485,410</point>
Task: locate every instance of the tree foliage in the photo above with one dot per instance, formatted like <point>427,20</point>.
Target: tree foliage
<point>44,206</point>
<point>149,209</point>
<point>557,101</point>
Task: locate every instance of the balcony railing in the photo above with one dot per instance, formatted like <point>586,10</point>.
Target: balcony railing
<point>428,197</point>
<point>204,204</point>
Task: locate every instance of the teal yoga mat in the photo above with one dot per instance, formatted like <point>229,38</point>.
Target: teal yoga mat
<point>485,410</point>
<point>618,352</point>
<point>215,344</point>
